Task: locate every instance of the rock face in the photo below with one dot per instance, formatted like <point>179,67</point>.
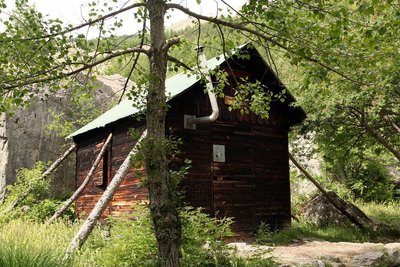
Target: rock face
<point>24,139</point>
<point>371,259</point>
<point>321,212</point>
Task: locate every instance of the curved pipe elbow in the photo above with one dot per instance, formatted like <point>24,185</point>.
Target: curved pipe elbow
<point>214,115</point>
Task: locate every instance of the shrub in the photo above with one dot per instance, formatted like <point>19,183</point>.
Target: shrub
<point>129,243</point>
<point>37,205</point>
<point>132,243</point>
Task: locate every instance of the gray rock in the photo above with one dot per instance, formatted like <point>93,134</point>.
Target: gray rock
<point>320,211</point>
<point>370,259</point>
<point>393,254</point>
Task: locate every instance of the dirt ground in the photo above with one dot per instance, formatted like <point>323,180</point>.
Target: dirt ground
<point>307,252</point>
<point>314,250</point>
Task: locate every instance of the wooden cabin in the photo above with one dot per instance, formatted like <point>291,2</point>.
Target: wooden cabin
<point>240,165</point>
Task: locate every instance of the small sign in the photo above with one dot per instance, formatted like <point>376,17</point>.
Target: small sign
<point>219,153</point>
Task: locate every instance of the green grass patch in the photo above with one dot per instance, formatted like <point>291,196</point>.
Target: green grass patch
<point>387,214</point>
<point>27,243</point>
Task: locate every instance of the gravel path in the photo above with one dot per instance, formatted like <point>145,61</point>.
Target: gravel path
<point>308,252</point>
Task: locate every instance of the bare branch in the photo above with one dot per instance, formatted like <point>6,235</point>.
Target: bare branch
<point>136,58</point>
<point>171,42</point>
<point>85,67</point>
<point>90,22</point>
<point>178,62</point>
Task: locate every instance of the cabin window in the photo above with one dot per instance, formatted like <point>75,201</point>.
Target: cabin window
<point>102,180</point>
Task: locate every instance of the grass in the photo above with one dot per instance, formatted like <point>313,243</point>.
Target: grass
<point>385,213</point>
<point>24,243</point>
<point>30,243</point>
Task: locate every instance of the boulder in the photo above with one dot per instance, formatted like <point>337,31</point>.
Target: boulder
<point>393,254</point>
<point>320,211</point>
<point>370,259</point>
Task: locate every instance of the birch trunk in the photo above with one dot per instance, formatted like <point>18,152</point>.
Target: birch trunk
<point>162,205</point>
<point>52,168</point>
<point>87,227</point>
<point>76,194</point>
<point>328,196</point>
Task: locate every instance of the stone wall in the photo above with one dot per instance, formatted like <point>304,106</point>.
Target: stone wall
<point>24,139</point>
<point>3,155</point>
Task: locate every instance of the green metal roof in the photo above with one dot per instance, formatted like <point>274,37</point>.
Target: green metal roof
<point>173,87</point>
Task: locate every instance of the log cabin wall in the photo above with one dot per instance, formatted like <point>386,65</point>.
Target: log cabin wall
<point>86,153</point>
<point>130,190</point>
<point>252,185</point>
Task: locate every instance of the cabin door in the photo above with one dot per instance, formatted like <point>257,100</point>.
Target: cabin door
<point>233,178</point>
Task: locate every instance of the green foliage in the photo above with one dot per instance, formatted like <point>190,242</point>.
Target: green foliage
<point>37,205</point>
<point>202,235</point>
<point>373,183</point>
<point>264,234</point>
<point>385,213</point>
<point>131,242</point>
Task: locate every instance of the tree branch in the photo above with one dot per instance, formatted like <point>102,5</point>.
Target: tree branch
<point>90,22</point>
<point>257,33</point>
<point>85,67</point>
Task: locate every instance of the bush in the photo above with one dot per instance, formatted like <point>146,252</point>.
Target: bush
<point>202,235</point>
<point>133,243</point>
<point>37,205</point>
<point>128,243</point>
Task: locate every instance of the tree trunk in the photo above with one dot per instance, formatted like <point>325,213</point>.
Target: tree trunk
<point>327,195</point>
<point>381,139</point>
<point>87,227</point>
<point>162,205</point>
<point>396,127</point>
<point>76,194</point>
<point>52,168</point>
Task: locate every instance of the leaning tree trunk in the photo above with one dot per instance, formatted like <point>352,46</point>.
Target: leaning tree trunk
<point>87,227</point>
<point>51,169</point>
<point>76,194</point>
<point>162,207</point>
<point>335,203</point>
<point>381,139</point>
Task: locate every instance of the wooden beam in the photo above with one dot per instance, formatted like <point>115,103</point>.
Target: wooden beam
<point>76,194</point>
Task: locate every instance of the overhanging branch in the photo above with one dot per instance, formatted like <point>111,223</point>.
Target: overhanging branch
<point>91,22</point>
<point>257,33</point>
<point>76,71</point>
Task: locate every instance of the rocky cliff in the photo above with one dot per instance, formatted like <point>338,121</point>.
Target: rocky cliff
<point>24,139</point>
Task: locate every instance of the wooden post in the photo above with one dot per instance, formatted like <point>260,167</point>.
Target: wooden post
<point>87,227</point>
<point>76,194</point>
<point>325,193</point>
<point>52,168</point>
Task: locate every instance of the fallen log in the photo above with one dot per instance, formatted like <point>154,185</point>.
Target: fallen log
<point>87,227</point>
<point>76,194</point>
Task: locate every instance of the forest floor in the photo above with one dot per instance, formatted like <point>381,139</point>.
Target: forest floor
<point>319,253</point>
